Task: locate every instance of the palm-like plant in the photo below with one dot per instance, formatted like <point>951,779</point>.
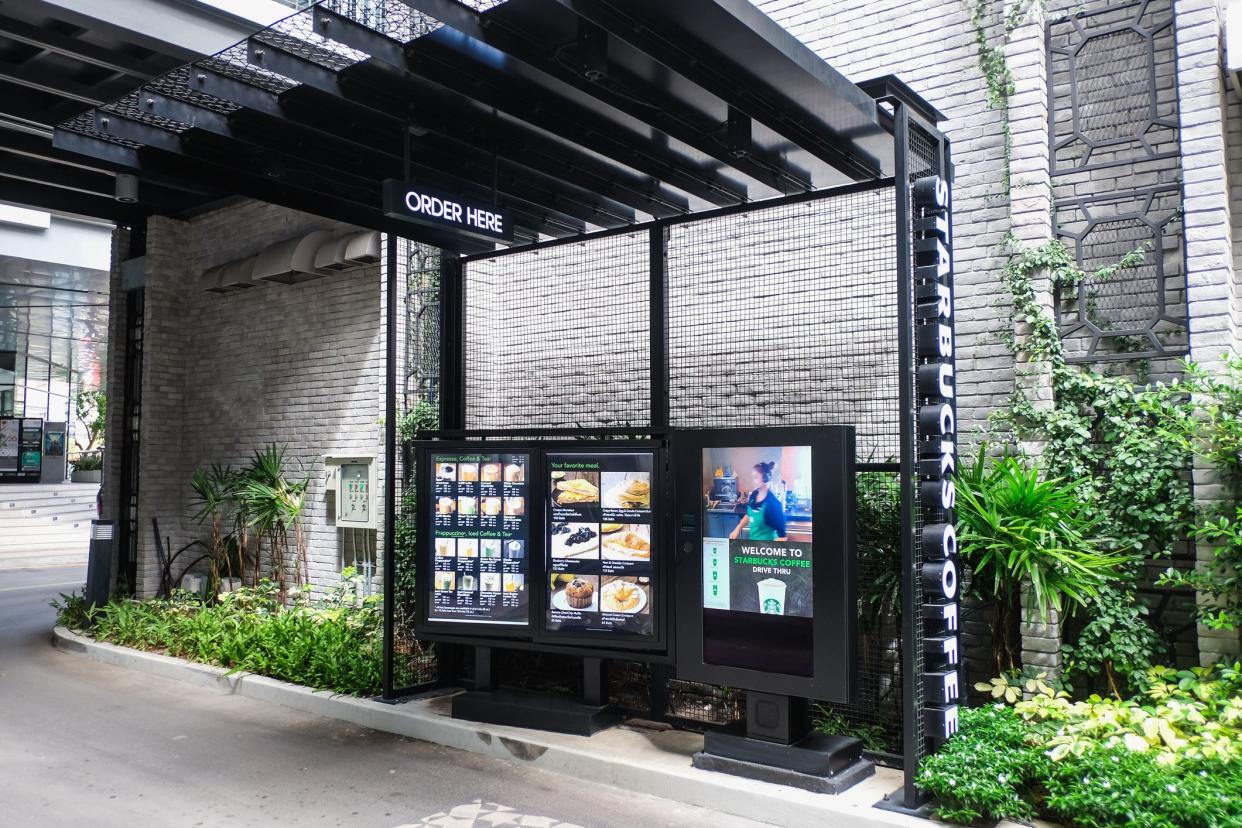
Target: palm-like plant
<point>273,506</point>
<point>1022,532</point>
<point>213,493</point>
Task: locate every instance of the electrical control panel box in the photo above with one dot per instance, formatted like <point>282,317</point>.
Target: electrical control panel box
<point>352,482</point>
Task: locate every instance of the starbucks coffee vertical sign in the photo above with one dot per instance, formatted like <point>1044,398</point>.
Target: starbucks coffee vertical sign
<point>933,286</point>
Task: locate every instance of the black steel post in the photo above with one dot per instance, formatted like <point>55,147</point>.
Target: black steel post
<point>452,344</point>
<point>658,321</point>
<point>912,729</point>
<point>390,457</point>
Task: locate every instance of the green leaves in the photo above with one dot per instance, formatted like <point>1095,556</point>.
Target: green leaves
<point>335,645</point>
<point>1018,528</point>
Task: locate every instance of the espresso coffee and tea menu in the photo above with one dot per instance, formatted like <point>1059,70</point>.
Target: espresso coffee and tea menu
<point>599,543</point>
<point>481,538</point>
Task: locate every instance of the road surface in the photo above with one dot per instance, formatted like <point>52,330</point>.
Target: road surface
<point>84,743</point>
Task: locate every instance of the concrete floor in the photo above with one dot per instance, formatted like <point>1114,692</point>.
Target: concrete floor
<point>83,743</point>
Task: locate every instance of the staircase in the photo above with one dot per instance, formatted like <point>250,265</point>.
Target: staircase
<point>45,524</point>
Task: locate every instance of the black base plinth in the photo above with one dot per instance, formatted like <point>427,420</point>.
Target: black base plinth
<point>818,762</point>
<point>537,711</point>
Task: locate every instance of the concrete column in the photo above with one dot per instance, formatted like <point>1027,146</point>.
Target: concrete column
<point>1212,290</point>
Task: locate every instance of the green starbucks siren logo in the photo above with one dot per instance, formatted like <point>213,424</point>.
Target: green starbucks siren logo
<point>772,607</point>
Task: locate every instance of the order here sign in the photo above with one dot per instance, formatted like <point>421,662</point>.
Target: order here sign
<point>420,204</point>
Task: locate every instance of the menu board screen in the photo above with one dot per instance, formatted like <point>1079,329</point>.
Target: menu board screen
<point>481,538</point>
<point>600,543</point>
<point>757,558</point>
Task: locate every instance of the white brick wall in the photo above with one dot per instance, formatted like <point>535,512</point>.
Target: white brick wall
<point>1213,290</point>
<point>225,374</point>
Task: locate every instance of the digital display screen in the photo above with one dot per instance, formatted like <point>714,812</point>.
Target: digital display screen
<point>599,543</point>
<point>481,538</point>
<point>757,558</point>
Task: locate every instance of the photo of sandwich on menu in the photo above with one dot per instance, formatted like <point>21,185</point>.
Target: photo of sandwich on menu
<point>627,490</point>
<point>573,488</point>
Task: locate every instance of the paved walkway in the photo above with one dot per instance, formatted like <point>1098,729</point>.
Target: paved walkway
<point>84,743</point>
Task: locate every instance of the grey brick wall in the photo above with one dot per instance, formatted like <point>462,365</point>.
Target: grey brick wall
<point>301,366</point>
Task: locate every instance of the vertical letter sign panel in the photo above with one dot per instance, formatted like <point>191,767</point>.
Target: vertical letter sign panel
<point>937,454</point>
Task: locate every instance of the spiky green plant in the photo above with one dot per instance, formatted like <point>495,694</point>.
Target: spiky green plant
<point>1021,531</point>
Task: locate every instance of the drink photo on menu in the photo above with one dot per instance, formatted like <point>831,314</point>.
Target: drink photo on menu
<point>479,539</point>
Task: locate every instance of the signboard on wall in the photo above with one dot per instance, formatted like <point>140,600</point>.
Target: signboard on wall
<point>599,544</point>
<point>21,449</point>
<point>419,203</point>
<point>765,574</point>
<point>480,534</point>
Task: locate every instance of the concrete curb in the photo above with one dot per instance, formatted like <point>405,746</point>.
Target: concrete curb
<point>657,764</point>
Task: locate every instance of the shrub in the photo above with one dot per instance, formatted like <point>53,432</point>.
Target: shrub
<point>335,644</point>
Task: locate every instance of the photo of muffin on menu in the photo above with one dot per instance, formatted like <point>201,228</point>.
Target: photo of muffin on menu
<point>575,593</point>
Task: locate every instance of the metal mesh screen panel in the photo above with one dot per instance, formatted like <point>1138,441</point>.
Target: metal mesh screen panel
<point>559,337</point>
<point>787,316</point>
<point>413,662</point>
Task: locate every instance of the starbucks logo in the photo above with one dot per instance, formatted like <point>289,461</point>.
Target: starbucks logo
<point>772,607</point>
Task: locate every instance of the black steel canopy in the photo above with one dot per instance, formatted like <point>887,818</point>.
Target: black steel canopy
<point>571,115</point>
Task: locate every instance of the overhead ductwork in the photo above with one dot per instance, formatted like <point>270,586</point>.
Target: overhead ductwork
<point>210,280</point>
<point>363,248</point>
<point>293,260</point>
<point>238,275</point>
<point>349,252</point>
<point>316,254</point>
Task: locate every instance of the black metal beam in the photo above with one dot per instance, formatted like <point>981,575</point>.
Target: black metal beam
<point>628,22</point>
<point>567,208</point>
<point>639,99</point>
<point>445,63</point>
<point>540,210</point>
<point>80,50</point>
<point>56,175</point>
<point>61,88</point>
<point>515,143</point>
<point>119,126</point>
<point>44,197</point>
<point>222,170</point>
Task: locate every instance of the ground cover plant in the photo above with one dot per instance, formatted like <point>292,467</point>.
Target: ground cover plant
<point>331,644</point>
<point>1169,756</point>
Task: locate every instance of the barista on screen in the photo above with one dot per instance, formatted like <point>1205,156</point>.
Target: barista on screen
<point>765,514</point>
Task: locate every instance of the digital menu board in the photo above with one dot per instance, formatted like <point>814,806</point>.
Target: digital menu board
<point>757,561</point>
<point>480,538</point>
<point>599,543</point>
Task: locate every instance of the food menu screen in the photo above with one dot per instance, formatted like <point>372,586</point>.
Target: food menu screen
<point>481,538</point>
<point>599,543</point>
<point>757,558</point>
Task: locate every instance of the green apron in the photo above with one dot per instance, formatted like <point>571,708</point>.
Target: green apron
<point>759,530</point>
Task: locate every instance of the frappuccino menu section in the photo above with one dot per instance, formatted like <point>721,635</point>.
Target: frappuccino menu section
<point>481,538</point>
<point>599,543</point>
